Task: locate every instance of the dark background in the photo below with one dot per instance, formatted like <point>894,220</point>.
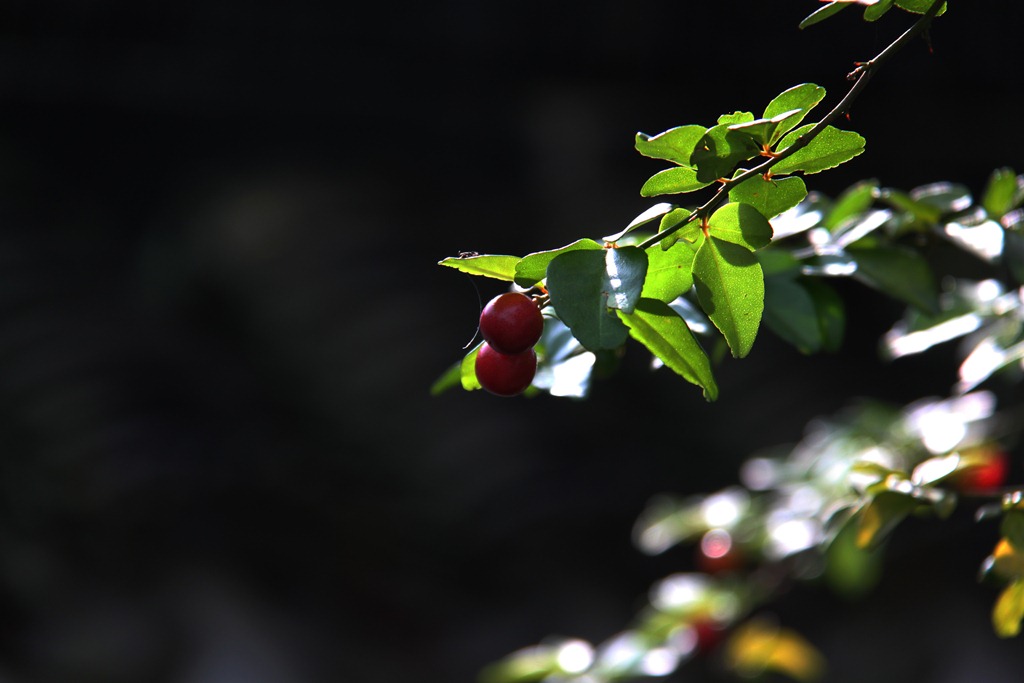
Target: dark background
<point>222,313</point>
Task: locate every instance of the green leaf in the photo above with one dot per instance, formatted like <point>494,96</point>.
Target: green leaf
<point>850,570</point>
<point>766,130</point>
<point>580,286</point>
<point>918,209</point>
<point>827,150</point>
<point>669,271</point>
<point>532,268</point>
<point>822,13</point>
<point>789,312</point>
<point>1000,193</point>
<point>675,145</point>
<point>467,370</point>
<point>899,272</point>
<point>1012,527</point>
<point>881,515</point>
<point>626,270</point>
<point>494,266</point>
<point>854,200</point>
<point>1006,560</point>
<point>672,181</point>
<point>689,233</point>
<point>741,224</point>
<point>831,313</point>
<point>720,149</point>
<point>730,288</point>
<point>734,118</point>
<point>565,368</point>
<point>770,197</point>
<point>655,212</point>
<point>875,12</point>
<point>919,6</point>
<point>523,666</point>
<point>801,98</point>
<point>451,378</point>
<point>655,325</point>
<point>778,262</point>
<point>1009,610</point>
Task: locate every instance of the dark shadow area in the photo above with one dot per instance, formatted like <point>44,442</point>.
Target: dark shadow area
<point>222,313</point>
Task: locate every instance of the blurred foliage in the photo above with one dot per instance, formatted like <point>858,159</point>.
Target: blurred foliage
<point>824,510</point>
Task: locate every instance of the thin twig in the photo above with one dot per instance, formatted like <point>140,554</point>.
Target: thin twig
<point>861,75</point>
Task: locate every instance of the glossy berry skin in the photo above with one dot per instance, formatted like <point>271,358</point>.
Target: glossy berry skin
<point>511,322</point>
<point>505,374</point>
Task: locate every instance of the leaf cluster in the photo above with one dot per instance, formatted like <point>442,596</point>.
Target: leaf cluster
<point>672,269</point>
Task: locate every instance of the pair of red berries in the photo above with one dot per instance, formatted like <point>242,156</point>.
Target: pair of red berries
<point>511,324</point>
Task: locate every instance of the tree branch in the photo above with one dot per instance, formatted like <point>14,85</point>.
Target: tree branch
<point>861,75</point>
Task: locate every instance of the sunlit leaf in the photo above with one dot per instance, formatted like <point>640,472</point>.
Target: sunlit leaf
<point>919,332</point>
<point>740,224</point>
<point>1007,560</point>
<point>823,13</point>
<point>945,197</point>
<point>759,646</point>
<point>934,470</point>
<point>1009,610</point>
<point>766,130</point>
<point>565,368</point>
<point>734,118</point>
<point>581,288</point>
<point>919,6</point>
<point>626,268</point>
<point>901,200</point>
<point>770,197</point>
<point>720,149</point>
<point>881,515</point>
<point>451,378</point>
<point>854,200</point>
<point>526,665</point>
<point>499,267</point>
<point>676,180</point>
<point>667,336</point>
<point>655,212</point>
<point>801,98</point>
<point>467,370</point>
<point>1000,192</point>
<point>690,233</point>
<point>876,10</point>
<point>986,239</point>
<point>730,288</point>
<point>986,358</point>
<point>532,268</point>
<point>858,226</point>
<point>827,150</point>
<point>695,318</point>
<point>669,272</point>
<point>675,145</point>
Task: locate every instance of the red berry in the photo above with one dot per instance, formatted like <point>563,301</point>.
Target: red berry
<point>987,469</point>
<point>505,374</point>
<point>511,322</point>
